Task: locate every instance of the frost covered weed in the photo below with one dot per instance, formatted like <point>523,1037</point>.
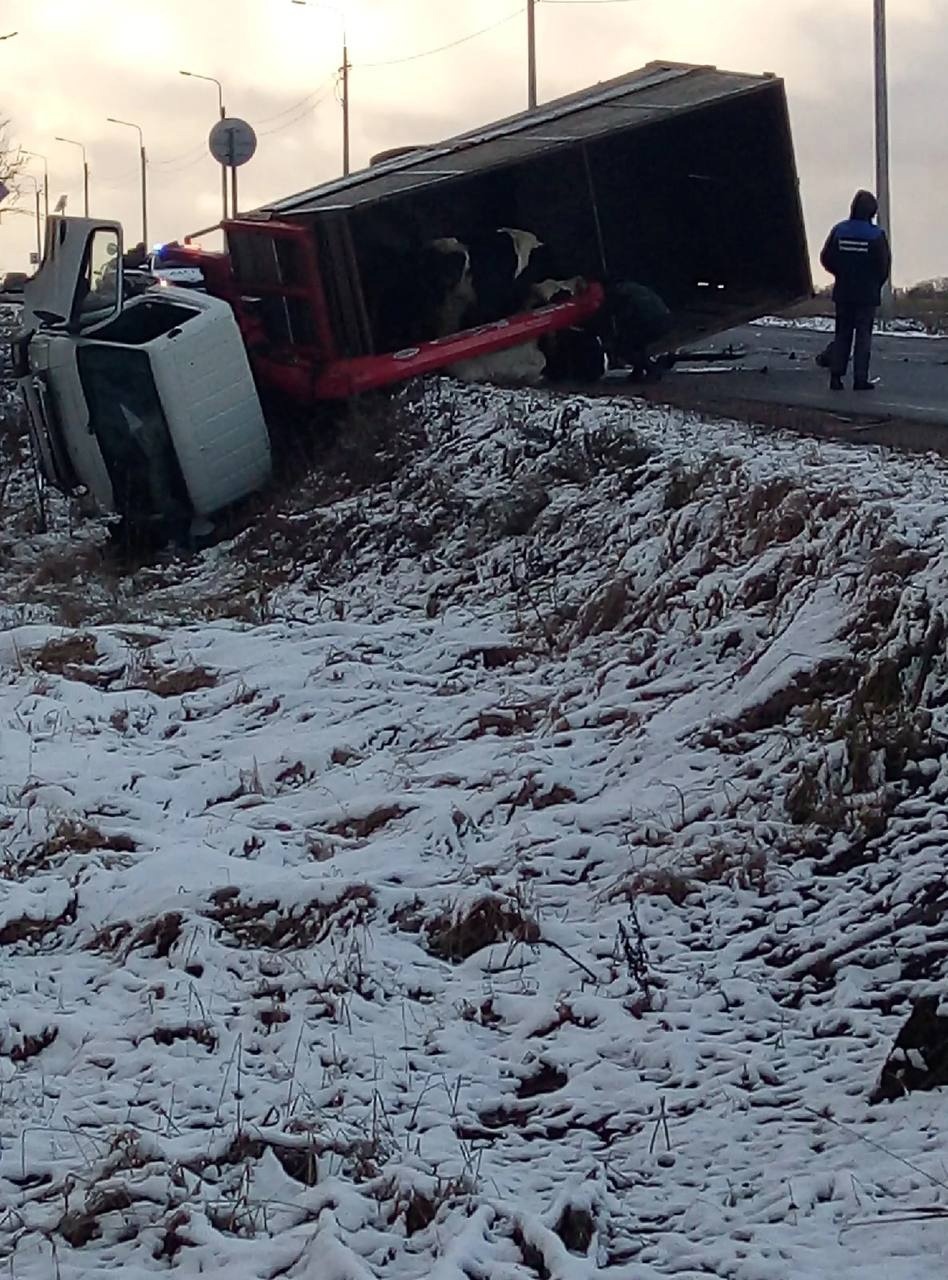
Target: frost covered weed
<point>173,682</point>
<point>685,482</point>
<point>59,653</point>
<point>461,932</point>
<point>73,835</point>
<point>266,924</point>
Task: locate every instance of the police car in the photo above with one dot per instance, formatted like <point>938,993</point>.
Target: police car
<point>163,271</point>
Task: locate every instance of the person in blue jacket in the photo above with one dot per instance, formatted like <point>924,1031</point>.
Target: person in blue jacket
<point>858,256</point>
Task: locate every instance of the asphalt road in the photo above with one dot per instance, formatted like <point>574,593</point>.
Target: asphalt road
<point>777,367</point>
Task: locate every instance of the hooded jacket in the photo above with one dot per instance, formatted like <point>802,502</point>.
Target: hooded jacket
<point>858,256</point>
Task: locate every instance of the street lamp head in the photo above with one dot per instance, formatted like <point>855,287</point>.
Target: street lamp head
<point>197,76</point>
<point>129,124</point>
<point>194,75</point>
<point>73,143</point>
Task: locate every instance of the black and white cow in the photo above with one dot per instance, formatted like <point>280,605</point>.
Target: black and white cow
<point>453,300</point>
<point>575,354</point>
<point>447,285</point>
<point>420,292</point>
<point>505,265</point>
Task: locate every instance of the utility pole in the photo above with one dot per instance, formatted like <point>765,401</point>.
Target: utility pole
<point>144,172</point>
<point>38,215</point>
<point>883,193</point>
<point>345,106</point>
<point>85,173</point>
<point>531,54</point>
<point>233,172</point>
<point>345,69</point>
<point>37,155</point>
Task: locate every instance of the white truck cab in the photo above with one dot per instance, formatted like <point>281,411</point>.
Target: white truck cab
<point>147,403</point>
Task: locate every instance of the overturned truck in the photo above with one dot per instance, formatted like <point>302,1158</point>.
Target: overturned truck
<point>626,219</point>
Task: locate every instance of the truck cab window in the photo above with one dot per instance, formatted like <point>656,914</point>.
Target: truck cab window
<point>97,290</point>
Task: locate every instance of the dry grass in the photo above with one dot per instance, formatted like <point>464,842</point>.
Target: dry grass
<point>457,935</point>
<point>33,931</point>
<point>74,835</point>
<point>20,1048</point>
<point>604,611</point>
<point>271,924</point>
<point>56,656</point>
<point>362,828</point>
<point>657,882</point>
<point>119,938</point>
<point>173,682</point>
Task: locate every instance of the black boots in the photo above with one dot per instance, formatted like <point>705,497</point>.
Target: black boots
<point>836,384</point>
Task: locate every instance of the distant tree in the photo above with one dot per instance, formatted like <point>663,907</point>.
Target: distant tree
<point>11,160</point>
<point>936,288</point>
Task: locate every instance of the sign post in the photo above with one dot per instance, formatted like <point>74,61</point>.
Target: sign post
<point>232,142</point>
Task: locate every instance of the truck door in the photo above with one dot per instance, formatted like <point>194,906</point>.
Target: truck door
<point>78,286</point>
<point>77,289</point>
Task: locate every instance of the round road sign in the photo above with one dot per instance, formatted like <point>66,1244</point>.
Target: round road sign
<point>232,142</point>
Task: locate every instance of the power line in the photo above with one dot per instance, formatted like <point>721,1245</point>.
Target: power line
<point>203,154</point>
<point>266,133</point>
<point>184,155</point>
<point>316,94</point>
<point>452,44</point>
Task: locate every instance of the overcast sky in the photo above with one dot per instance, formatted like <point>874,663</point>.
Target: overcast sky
<point>75,62</point>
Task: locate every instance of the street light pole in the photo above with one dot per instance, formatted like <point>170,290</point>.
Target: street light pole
<point>883,191</point>
<point>345,106</point>
<point>85,172</point>
<point>36,155</point>
<point>531,54</point>
<point>144,163</point>
<point>193,75</point>
<point>39,217</point>
<point>344,69</point>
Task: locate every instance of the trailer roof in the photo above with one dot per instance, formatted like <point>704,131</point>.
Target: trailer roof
<point>655,91</point>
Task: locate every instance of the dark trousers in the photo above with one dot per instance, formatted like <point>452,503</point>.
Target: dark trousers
<point>853,323</point>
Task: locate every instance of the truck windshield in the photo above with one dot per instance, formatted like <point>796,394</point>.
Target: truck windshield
<point>127,419</point>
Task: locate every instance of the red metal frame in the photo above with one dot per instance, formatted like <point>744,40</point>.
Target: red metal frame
<point>306,374</point>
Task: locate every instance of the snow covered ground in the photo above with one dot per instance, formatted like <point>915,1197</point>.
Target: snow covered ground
<point>899,327</point>
<point>516,862</point>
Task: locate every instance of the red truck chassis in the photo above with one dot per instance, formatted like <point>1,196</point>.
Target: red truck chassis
<point>312,370</point>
